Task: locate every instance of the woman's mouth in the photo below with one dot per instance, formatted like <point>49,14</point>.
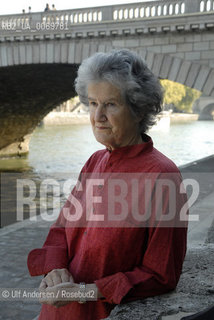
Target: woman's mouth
<point>101,128</point>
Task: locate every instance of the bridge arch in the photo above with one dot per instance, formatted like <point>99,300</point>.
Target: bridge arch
<point>165,66</point>
<point>188,73</point>
<point>207,113</point>
<point>40,76</point>
<point>204,107</point>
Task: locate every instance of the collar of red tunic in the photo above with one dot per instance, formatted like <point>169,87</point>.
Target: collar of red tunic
<point>133,150</point>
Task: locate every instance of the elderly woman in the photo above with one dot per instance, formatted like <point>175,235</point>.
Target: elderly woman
<point>124,258</point>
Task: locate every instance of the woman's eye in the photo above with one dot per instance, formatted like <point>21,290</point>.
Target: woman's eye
<point>110,104</point>
<point>93,103</point>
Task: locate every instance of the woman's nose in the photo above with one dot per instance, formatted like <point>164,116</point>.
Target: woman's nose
<point>100,113</point>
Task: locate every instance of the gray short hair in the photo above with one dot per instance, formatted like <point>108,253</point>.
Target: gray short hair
<point>139,87</point>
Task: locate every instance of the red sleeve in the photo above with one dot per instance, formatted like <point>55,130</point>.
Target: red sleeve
<point>54,253</point>
<point>161,264</point>
<point>159,273</point>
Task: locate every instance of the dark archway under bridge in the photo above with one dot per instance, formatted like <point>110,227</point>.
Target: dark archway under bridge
<point>207,113</point>
<point>27,94</point>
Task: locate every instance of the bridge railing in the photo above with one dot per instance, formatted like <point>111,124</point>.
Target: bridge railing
<point>145,10</point>
<point>206,5</point>
<point>149,10</point>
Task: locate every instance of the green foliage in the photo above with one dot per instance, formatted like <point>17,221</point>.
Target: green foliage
<point>180,96</point>
<point>188,100</point>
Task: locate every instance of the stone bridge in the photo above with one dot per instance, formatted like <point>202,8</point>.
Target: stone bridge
<point>204,106</point>
<point>40,53</point>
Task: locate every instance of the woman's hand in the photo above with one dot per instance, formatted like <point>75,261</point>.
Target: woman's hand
<point>54,277</point>
<point>55,282</point>
<point>55,295</point>
<point>52,284</point>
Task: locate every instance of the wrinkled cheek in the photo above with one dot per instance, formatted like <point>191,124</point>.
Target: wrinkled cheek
<point>91,116</point>
<point>92,121</point>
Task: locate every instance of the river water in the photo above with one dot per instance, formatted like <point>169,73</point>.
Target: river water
<point>66,148</point>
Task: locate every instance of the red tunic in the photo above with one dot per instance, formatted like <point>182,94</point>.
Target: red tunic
<point>125,263</point>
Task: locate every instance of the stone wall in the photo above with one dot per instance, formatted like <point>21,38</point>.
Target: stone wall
<point>197,46</point>
<point>194,292</point>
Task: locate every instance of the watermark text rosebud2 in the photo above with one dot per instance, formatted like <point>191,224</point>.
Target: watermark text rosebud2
<point>130,200</point>
<point>109,199</point>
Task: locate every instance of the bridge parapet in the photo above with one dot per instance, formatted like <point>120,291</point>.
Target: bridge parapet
<point>66,20</point>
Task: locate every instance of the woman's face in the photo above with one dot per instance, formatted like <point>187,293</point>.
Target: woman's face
<point>112,122</point>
